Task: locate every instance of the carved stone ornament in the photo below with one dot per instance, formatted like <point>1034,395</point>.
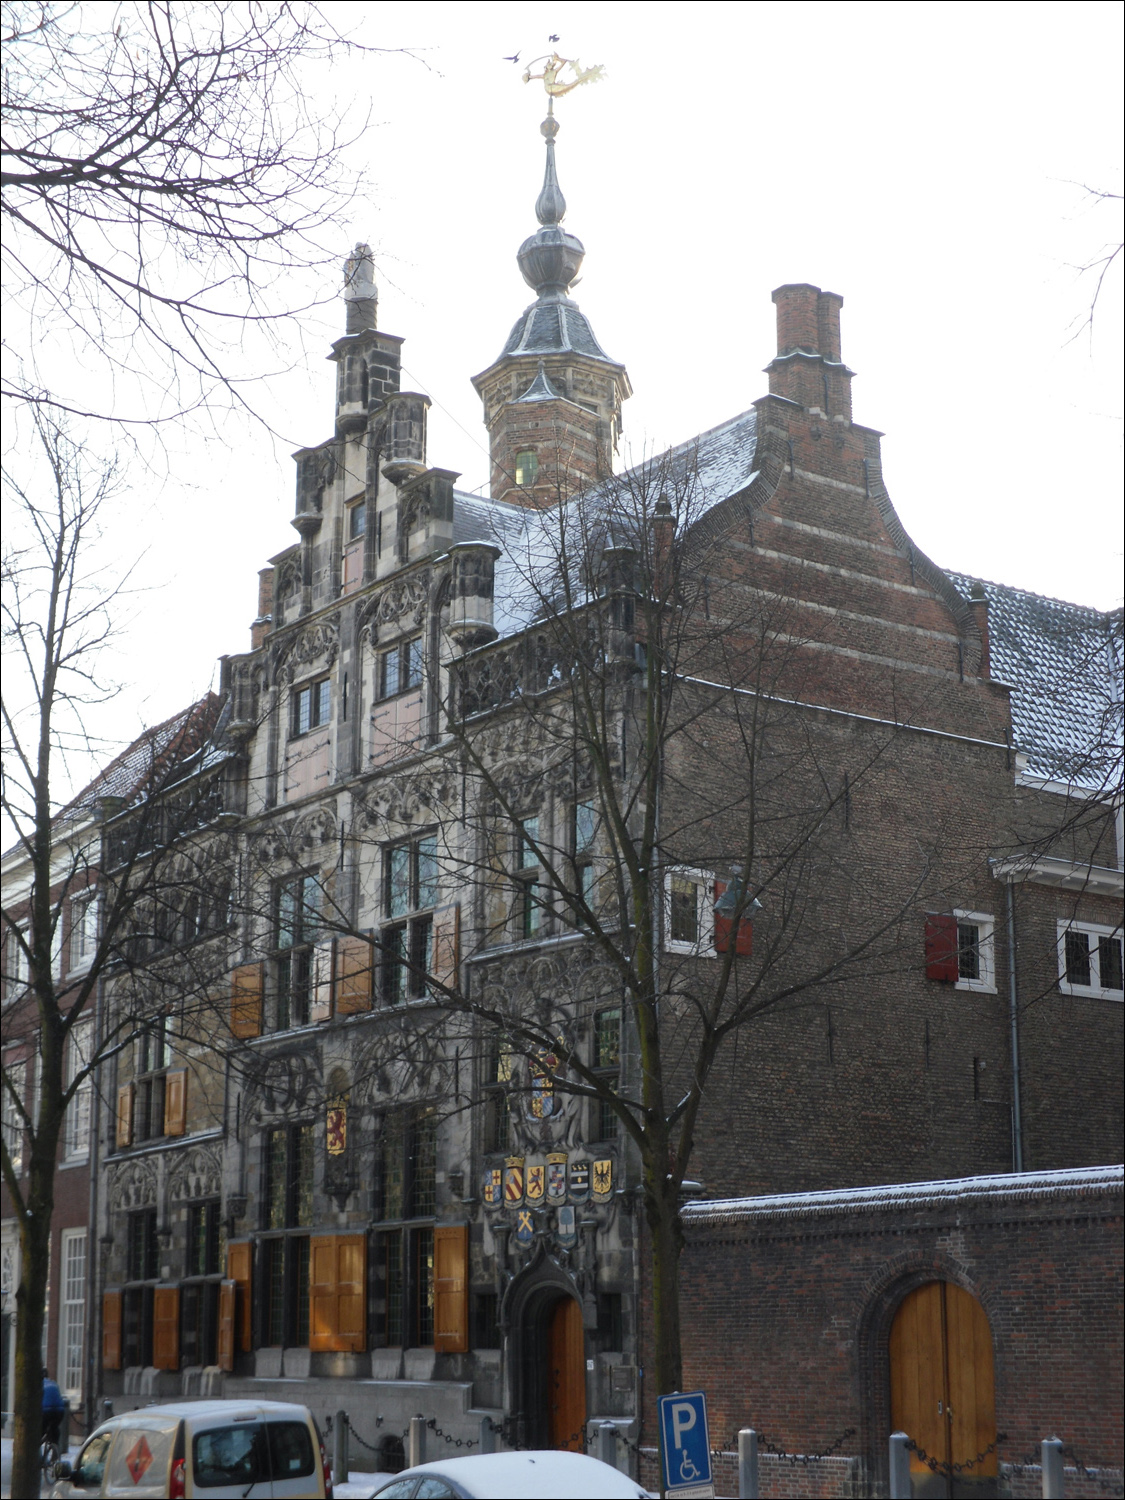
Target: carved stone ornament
<point>133,1186</point>
<point>402,801</point>
<point>196,1174</point>
<point>286,1084</point>
<point>399,607</point>
<point>318,643</point>
<point>313,829</point>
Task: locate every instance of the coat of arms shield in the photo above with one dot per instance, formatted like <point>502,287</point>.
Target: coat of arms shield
<point>536,1182</point>
<point>578,1174</point>
<point>513,1180</point>
<point>602,1189</point>
<point>525,1227</point>
<point>567,1229</point>
<point>556,1177</point>
<point>491,1187</point>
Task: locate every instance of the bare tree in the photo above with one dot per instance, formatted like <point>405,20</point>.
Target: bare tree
<point>165,167</point>
<point>120,853</point>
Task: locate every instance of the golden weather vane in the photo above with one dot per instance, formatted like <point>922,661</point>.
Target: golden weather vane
<point>555,84</point>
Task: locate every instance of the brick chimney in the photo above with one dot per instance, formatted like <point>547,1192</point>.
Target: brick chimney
<point>808,367</point>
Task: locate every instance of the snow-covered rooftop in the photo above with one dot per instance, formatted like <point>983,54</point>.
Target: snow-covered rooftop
<point>1064,662</point>
<point>947,1192</point>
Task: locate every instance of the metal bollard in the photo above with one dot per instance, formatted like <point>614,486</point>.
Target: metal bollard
<point>607,1444</point>
<point>748,1464</point>
<point>64,1431</point>
<point>900,1487</point>
<point>107,1408</point>
<point>340,1447</point>
<point>487,1436</point>
<point>416,1442</point>
<point>1052,1452</point>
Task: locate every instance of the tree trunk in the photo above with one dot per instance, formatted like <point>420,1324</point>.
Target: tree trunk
<point>31,1294</point>
<point>662,1211</point>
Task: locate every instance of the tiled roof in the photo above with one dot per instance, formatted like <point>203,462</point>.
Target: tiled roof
<point>554,328</point>
<point>1064,662</point>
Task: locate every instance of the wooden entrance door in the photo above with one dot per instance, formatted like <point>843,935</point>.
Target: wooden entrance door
<point>566,1375</point>
<point>942,1388</point>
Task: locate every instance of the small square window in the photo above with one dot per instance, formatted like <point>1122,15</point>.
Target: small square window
<point>357,520</point>
<point>688,916</point>
<point>527,467</point>
<point>311,706</point>
<point>529,838</point>
<point>400,668</point>
<point>1090,960</point>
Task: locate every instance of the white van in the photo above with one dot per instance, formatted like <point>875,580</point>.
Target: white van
<point>258,1450</point>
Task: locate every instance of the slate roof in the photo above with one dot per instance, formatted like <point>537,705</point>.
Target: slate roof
<point>554,328</point>
<point>1064,662</point>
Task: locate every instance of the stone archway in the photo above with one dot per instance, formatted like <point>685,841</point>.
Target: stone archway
<point>546,1358</point>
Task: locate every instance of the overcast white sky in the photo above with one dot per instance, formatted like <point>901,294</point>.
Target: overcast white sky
<point>923,160</point>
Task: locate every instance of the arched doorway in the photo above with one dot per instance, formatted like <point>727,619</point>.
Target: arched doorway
<point>547,1360</point>
<point>943,1390</point>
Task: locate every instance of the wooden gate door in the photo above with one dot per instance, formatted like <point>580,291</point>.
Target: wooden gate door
<point>942,1389</point>
<point>566,1376</point>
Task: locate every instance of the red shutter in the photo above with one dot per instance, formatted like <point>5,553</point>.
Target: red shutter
<point>166,1327</point>
<point>744,941</point>
<point>941,947</point>
<point>238,1269</point>
<point>228,1301</point>
<point>451,1288</point>
<point>111,1330</point>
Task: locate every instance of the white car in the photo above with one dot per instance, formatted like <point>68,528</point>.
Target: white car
<point>547,1472</point>
<point>257,1450</point>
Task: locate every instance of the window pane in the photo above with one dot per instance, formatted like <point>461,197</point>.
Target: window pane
<point>73,1310</point>
<point>288,915</point>
<point>303,1176</point>
<point>607,1039</point>
<point>304,710</point>
<point>277,1169</point>
<point>322,695</point>
<point>532,913</point>
<point>424,1240</point>
<point>388,673</point>
<point>275,1291</point>
<point>427,872</point>
<point>398,880</point>
<point>412,663</point>
<point>229,1457</point>
<point>528,857</point>
<point>585,821</point>
<point>1109,962</point>
<point>685,910</point>
<point>392,1264</point>
<point>423,1196</point>
<point>1077,958</point>
<point>421,944</point>
<point>394,970</point>
<point>291,1451</point>
<point>357,520</point>
<point>968,950</point>
<point>392,1167</point>
<point>299,1250</point>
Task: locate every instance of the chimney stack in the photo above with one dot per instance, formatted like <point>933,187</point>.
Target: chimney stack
<point>808,367</point>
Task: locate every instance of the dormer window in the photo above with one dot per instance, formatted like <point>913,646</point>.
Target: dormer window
<point>311,706</point>
<point>527,467</point>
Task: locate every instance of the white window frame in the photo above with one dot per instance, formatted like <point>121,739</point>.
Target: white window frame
<point>72,1312</point>
<point>704,885</point>
<point>18,974</point>
<point>83,939</point>
<point>79,1114</point>
<point>13,1127</point>
<point>986,947</point>
<point>1093,990</point>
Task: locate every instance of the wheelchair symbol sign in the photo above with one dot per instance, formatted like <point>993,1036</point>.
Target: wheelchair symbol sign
<point>685,1447</point>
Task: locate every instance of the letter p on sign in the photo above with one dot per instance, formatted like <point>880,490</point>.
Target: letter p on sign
<point>683,1420</point>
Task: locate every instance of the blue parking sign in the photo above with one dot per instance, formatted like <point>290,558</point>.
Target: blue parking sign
<point>685,1447</point>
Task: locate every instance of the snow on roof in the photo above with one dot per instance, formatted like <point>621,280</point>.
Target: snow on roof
<point>697,475</point>
<point>1064,1183</point>
<point>1064,662</point>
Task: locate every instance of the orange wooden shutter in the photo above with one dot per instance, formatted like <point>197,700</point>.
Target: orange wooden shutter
<point>321,1006</point>
<point>354,968</point>
<point>166,1327</point>
<point>175,1102</point>
<point>246,1001</point>
<point>111,1330</point>
<point>351,1285</point>
<point>451,1288</point>
<point>446,960</point>
<point>323,1298</point>
<point>228,1301</point>
<point>124,1135</point>
<point>239,1263</point>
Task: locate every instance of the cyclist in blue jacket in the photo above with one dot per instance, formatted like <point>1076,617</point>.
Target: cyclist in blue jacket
<point>54,1404</point>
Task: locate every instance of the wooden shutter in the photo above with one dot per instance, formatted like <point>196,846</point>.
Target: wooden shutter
<point>338,1292</point>
<point>355,965</point>
<point>744,939</point>
<point>941,947</point>
<point>451,1288</point>
<point>111,1330</point>
<point>445,962</point>
<point>323,1301</point>
<point>239,1263</point>
<point>321,1006</point>
<point>246,1001</point>
<point>124,1133</point>
<point>166,1327</point>
<point>175,1102</point>
<point>351,1285</point>
<point>228,1302</point>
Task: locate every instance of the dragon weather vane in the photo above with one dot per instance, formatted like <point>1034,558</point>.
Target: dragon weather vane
<point>556,81</point>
